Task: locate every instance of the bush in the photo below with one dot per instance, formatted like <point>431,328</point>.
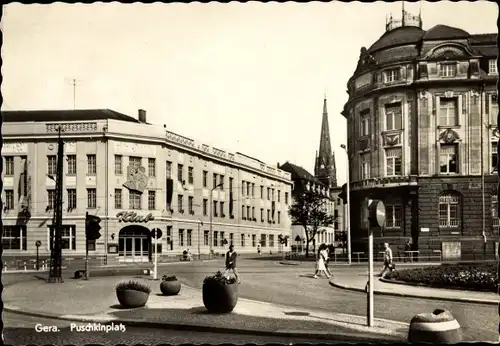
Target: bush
<point>169,278</point>
<point>219,279</point>
<point>133,285</point>
<point>482,276</point>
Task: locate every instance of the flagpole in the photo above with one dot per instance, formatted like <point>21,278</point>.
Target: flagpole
<point>403,12</point>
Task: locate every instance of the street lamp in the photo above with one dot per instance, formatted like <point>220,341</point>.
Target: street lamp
<point>348,212</point>
<point>211,215</point>
<point>200,223</point>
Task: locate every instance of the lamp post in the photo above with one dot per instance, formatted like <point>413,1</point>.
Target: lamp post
<point>211,215</point>
<point>200,223</point>
<point>348,212</point>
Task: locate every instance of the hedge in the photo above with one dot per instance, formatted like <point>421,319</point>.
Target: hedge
<point>482,276</point>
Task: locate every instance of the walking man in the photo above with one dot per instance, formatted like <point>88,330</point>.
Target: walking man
<point>231,256</point>
<point>388,265</point>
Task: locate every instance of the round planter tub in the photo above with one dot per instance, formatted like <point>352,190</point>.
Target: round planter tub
<point>132,298</point>
<point>220,298</point>
<point>170,288</point>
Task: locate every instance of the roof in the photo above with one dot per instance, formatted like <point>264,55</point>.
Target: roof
<point>404,35</point>
<point>65,115</point>
<point>444,32</point>
<point>299,173</point>
<point>480,39</point>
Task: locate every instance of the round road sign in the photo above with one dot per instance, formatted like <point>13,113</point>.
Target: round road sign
<point>38,243</point>
<point>156,233</point>
<point>376,213</point>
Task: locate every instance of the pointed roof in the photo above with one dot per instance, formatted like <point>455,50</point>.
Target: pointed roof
<point>325,145</point>
<point>324,167</point>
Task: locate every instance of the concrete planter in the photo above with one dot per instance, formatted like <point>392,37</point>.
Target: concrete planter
<point>132,298</point>
<point>219,298</point>
<point>170,288</point>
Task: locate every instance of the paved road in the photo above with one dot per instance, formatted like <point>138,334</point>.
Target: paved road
<point>20,330</point>
<point>266,280</point>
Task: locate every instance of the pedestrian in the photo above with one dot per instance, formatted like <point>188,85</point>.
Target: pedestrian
<point>388,264</point>
<point>320,263</point>
<point>407,249</point>
<point>231,256</point>
<point>330,250</point>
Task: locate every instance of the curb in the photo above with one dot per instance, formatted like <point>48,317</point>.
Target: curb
<point>422,285</point>
<point>343,336</point>
<point>289,263</point>
<point>397,294</point>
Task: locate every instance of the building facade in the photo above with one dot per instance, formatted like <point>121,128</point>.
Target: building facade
<point>421,121</point>
<point>136,177</point>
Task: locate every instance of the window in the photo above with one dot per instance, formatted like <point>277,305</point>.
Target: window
<point>279,216</point>
<point>151,200</point>
<point>71,198</point>
<point>492,66</point>
<point>261,214</point>
<point>52,165</point>
<point>91,198</point>
<point>279,196</point>
<point>230,184</point>
<point>169,237</point>
<point>449,210</point>
<point>205,202</point>
<point>394,216</point>
<point>51,199</point>
<point>168,170</point>
<point>221,182</point>
<point>261,191</point>
<point>135,161</point>
<point>392,75</point>
<point>189,237</point>
<point>214,179</point>
<point>242,240</point>
<point>393,162</point>
<point>253,189</point>
<point>448,158</point>
<point>243,212</point>
<point>286,197</point>
<point>248,213</point>
<point>248,189</point>
<point>494,156</point>
<point>118,165</point>
<point>216,238</point>
<point>243,188</point>
<point>263,240</point>
<point>91,164</point>
<point>9,165</point>
<point>190,205</point>
<point>365,123</point>
<point>180,176</point>
<point>181,237</point>
<point>268,215</point>
<point>68,234</point>
<point>448,70</point>
<point>179,203</point>
<point>9,199</point>
<point>254,240</point>
<point>206,235</point>
<point>272,194</point>
<point>118,198</point>
<point>494,212</point>
<point>268,194</point>
<point>205,175</point>
<point>151,167</point>
<point>271,240</point>
<point>393,117</point>
<point>221,243</point>
<point>448,114</point>
<point>493,109</point>
<point>14,237</point>
<point>214,204</point>
<point>71,164</point>
<point>190,175</point>
<point>365,166</point>
<point>222,209</point>
<point>134,200</point>
<point>253,213</point>
<point>231,238</point>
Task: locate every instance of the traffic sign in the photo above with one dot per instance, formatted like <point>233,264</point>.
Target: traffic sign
<point>156,233</point>
<point>376,213</point>
<point>38,243</point>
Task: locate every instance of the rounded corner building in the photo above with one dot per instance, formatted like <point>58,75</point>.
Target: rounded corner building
<point>421,123</point>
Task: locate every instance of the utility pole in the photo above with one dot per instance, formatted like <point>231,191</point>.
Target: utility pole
<point>55,273</point>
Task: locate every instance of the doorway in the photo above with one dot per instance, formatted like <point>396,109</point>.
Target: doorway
<point>134,244</point>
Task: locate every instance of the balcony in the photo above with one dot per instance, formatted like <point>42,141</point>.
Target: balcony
<point>384,182</point>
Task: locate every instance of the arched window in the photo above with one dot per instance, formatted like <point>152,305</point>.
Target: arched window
<point>449,209</point>
<point>494,212</point>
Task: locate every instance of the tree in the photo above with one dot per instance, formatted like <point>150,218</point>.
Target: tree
<point>309,212</point>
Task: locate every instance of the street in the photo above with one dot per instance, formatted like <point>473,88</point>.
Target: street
<point>20,330</point>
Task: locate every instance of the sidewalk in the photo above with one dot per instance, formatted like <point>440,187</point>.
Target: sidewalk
<point>95,301</point>
<point>356,281</point>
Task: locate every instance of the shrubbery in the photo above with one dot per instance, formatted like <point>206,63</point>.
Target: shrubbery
<point>219,279</point>
<point>481,276</point>
<point>133,285</point>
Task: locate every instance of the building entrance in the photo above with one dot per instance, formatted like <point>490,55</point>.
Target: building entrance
<point>134,244</point>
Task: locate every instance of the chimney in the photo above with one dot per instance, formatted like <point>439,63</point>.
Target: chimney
<point>142,115</point>
<point>278,165</point>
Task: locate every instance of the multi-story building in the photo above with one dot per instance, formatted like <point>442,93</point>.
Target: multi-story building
<point>421,121</point>
<point>136,177</point>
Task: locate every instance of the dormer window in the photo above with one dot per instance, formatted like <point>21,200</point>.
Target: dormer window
<point>448,70</point>
<point>392,75</point>
<point>492,66</point>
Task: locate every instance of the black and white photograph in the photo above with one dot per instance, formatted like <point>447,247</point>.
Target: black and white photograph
<point>250,173</point>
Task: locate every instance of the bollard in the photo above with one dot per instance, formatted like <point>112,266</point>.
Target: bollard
<point>435,328</point>
<point>25,267</point>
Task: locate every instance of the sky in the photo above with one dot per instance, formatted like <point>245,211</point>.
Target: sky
<point>243,77</point>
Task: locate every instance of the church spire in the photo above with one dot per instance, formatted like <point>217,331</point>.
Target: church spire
<point>324,168</point>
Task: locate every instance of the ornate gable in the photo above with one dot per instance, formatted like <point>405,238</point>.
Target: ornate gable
<point>449,136</point>
<point>449,51</point>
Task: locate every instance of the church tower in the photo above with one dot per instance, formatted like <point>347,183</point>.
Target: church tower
<point>324,167</point>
